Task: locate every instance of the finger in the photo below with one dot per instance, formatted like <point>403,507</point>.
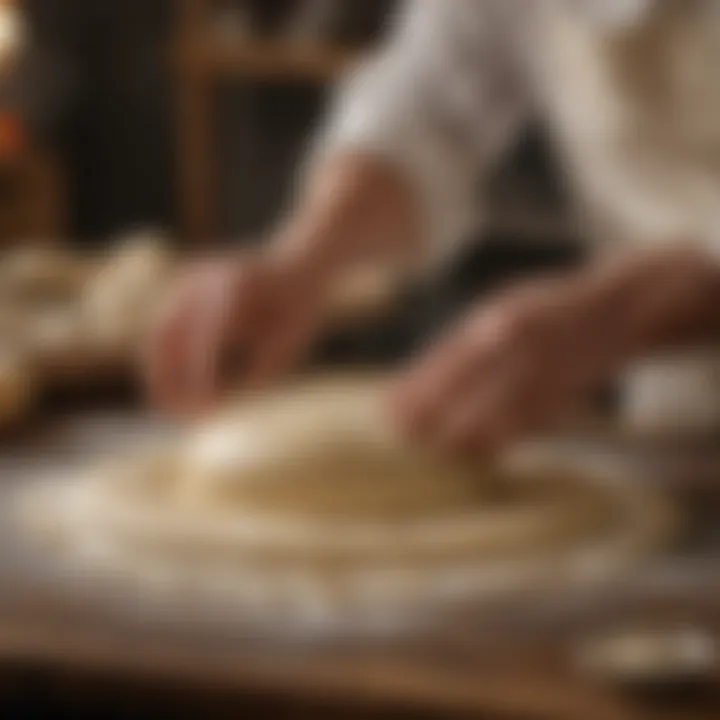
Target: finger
<point>477,421</point>
<point>502,406</point>
<point>253,323</point>
<point>442,379</point>
<point>164,362</point>
<point>214,326</point>
<point>518,408</point>
<point>178,341</point>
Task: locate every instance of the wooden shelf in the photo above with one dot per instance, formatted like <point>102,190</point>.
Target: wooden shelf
<point>203,56</point>
<point>268,61</point>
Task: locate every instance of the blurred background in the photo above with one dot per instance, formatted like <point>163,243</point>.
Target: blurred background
<point>191,115</point>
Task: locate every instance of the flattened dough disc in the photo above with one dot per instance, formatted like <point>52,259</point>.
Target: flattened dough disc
<point>303,502</point>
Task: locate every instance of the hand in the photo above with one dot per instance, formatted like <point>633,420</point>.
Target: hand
<point>239,319</point>
<point>525,358</point>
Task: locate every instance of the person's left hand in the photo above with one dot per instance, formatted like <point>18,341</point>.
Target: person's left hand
<point>522,360</point>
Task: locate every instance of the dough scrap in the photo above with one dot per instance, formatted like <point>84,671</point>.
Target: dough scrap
<point>40,274</point>
<point>79,317</point>
<point>120,298</point>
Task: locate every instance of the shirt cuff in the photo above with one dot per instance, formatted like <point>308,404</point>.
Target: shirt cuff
<point>441,176</point>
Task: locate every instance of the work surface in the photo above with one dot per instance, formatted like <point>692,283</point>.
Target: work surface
<point>518,667</point>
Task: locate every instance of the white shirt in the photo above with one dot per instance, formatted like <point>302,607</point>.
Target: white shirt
<point>630,90</point>
<point>456,81</point>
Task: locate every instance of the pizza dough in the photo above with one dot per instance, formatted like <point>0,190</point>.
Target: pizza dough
<point>303,502</point>
<point>42,274</point>
<point>79,316</point>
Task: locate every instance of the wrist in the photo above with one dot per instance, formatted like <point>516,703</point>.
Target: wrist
<point>682,297</point>
<point>356,212</point>
<point>308,255</point>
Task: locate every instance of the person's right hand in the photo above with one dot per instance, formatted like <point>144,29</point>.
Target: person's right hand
<point>235,320</point>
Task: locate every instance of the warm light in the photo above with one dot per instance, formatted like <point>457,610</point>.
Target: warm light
<point>12,32</point>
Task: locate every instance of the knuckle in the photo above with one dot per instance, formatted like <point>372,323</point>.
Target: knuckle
<point>509,326</point>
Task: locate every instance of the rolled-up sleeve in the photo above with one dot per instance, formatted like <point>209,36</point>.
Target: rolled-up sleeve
<point>441,99</point>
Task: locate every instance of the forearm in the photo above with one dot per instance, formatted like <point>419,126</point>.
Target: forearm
<point>354,209</point>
